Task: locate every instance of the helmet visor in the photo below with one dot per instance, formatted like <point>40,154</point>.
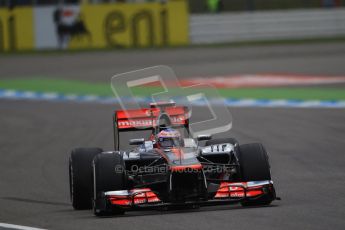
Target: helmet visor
<point>168,142</point>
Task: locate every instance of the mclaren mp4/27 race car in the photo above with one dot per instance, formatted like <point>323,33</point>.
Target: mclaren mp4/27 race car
<point>166,170</point>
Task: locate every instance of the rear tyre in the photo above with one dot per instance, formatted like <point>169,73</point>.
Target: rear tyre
<point>80,177</point>
<point>232,141</point>
<point>253,160</point>
<point>108,175</point>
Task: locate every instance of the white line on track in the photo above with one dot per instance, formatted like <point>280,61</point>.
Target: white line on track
<point>13,226</point>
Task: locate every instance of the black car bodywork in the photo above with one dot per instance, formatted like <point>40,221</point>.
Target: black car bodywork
<point>146,176</point>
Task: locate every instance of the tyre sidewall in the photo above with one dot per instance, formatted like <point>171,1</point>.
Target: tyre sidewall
<point>80,175</point>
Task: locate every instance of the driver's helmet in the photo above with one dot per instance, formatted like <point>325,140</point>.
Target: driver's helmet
<point>169,138</point>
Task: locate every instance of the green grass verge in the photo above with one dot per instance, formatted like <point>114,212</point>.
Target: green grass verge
<point>101,89</point>
<point>57,85</point>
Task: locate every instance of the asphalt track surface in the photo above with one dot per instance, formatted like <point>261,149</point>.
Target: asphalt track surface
<point>306,147</point>
<point>317,59</point>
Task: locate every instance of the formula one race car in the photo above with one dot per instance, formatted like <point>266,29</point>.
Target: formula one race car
<point>166,170</point>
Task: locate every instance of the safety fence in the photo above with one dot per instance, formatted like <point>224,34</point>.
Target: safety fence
<point>291,24</point>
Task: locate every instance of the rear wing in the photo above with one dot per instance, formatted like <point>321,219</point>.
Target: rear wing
<point>146,119</point>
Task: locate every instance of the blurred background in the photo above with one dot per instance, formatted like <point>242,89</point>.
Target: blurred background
<point>257,48</point>
<point>279,65</point>
<point>85,24</point>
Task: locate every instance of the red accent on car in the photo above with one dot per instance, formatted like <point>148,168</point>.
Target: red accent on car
<point>146,118</point>
<point>178,153</point>
<point>237,190</point>
<point>180,168</point>
<point>141,196</point>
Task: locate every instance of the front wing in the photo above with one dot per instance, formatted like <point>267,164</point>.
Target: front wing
<point>144,198</point>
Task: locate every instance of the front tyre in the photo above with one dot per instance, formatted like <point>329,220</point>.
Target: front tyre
<point>108,175</point>
<point>254,166</point>
<point>80,177</point>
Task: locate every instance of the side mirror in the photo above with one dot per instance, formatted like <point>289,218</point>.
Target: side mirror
<point>204,137</point>
<point>137,141</point>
